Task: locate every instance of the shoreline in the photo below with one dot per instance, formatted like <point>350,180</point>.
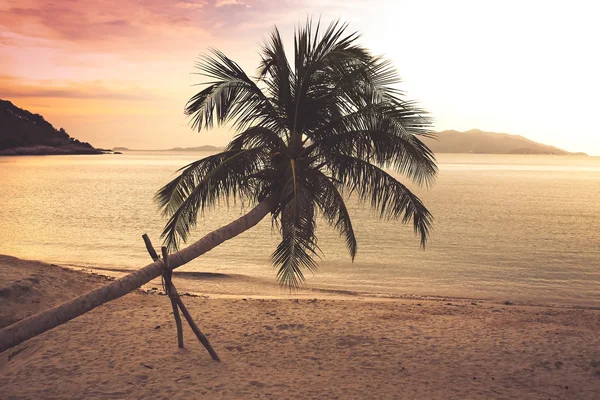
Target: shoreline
<point>315,292</point>
<point>269,289</point>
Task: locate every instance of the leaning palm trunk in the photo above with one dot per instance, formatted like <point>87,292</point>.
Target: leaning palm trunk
<point>51,318</point>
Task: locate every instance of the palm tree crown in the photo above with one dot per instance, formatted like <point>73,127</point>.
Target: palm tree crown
<point>310,133</point>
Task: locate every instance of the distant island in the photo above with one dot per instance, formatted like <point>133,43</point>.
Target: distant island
<point>479,142</point>
<point>25,133</point>
<point>199,148</point>
<point>474,141</point>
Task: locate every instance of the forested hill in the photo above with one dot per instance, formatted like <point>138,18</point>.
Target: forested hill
<point>480,142</point>
<point>24,133</point>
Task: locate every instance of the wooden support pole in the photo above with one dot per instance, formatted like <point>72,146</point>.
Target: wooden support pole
<point>149,247</point>
<point>172,293</point>
<point>177,302</point>
<point>196,330</point>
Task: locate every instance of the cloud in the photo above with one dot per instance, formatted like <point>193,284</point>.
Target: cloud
<point>223,3</point>
<point>190,5</point>
<point>95,20</point>
<point>140,23</point>
<point>14,87</point>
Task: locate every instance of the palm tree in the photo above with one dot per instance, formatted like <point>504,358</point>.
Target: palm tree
<point>326,127</point>
<point>311,133</point>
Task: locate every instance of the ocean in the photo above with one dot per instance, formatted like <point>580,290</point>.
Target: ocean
<point>518,228</point>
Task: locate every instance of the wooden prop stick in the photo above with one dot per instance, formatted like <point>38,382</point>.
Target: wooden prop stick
<point>196,330</point>
<point>174,296</point>
<point>172,293</point>
<point>176,315</point>
<point>149,247</point>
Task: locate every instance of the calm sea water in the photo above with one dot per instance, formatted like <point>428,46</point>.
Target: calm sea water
<point>519,228</point>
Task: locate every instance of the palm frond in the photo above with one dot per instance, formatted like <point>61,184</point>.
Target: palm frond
<point>184,197</point>
<point>171,195</point>
<point>232,96</point>
<point>256,136</point>
<point>298,245</point>
<point>333,208</point>
<point>314,65</point>
<point>275,71</point>
<point>391,198</point>
<point>374,136</point>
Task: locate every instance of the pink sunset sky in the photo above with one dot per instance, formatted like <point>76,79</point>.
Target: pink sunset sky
<point>119,72</point>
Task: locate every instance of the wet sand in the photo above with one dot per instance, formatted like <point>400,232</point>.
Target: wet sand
<point>288,348</point>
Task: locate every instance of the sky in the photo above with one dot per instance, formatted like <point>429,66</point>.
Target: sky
<point>119,72</point>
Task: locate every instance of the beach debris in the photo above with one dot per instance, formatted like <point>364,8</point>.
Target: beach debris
<point>146,366</point>
<point>558,364</point>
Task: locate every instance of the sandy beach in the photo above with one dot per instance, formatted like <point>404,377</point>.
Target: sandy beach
<point>293,348</point>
